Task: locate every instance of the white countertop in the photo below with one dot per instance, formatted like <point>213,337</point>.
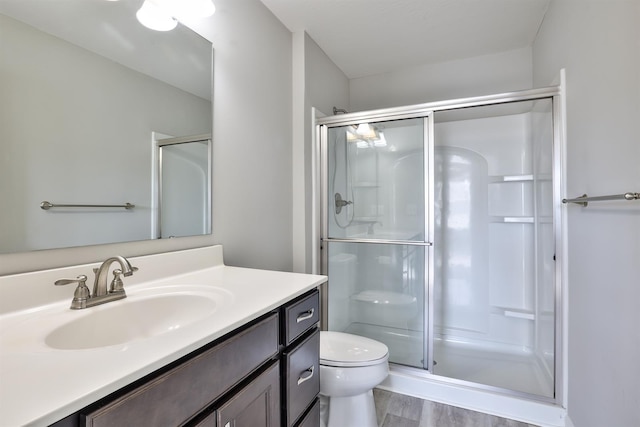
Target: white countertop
<point>40,385</point>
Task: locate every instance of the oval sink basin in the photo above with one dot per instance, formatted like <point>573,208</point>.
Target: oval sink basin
<point>131,319</point>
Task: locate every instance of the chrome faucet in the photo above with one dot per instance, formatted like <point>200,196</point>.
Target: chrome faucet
<point>82,298</point>
<point>102,272</point>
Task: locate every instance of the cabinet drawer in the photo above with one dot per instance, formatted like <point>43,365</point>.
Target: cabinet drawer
<point>180,393</point>
<point>302,367</point>
<point>312,418</point>
<point>300,316</point>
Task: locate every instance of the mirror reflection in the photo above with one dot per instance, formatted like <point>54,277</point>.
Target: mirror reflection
<point>84,88</point>
<point>183,179</point>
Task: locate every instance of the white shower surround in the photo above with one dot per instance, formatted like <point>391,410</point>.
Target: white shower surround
<point>511,326</point>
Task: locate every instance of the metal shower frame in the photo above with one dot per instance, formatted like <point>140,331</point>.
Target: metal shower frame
<point>426,111</point>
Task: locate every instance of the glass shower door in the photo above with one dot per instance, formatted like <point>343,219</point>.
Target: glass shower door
<point>374,239</point>
<point>494,246</point>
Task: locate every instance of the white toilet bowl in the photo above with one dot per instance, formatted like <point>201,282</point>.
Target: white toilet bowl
<point>350,367</point>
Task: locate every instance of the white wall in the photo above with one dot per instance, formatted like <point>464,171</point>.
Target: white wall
<point>317,82</point>
<point>61,156</point>
<point>482,75</point>
<point>326,84</point>
<point>598,42</point>
<point>252,134</point>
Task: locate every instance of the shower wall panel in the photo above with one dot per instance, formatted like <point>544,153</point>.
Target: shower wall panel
<point>504,143</point>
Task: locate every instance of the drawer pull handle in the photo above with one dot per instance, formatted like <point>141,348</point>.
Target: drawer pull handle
<point>306,375</point>
<point>305,315</point>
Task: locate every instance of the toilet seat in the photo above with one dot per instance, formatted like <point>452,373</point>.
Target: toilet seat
<point>340,349</point>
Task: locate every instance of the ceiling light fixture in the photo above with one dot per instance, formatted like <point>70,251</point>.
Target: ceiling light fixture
<point>164,15</point>
<point>367,132</point>
<point>366,135</point>
<point>381,141</point>
<point>153,16</point>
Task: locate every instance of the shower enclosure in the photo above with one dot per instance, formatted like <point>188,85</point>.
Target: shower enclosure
<point>439,236</point>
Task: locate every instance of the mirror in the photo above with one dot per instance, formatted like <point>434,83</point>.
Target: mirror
<point>183,192</point>
<point>84,88</point>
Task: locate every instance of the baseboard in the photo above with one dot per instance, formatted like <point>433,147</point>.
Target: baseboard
<point>568,422</point>
<point>515,408</point>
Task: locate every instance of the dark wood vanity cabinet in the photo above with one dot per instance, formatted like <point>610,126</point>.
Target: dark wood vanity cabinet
<point>256,404</point>
<point>264,374</point>
<point>301,361</point>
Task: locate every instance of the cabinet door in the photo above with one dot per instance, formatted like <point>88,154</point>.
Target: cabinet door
<point>177,395</point>
<point>256,405</point>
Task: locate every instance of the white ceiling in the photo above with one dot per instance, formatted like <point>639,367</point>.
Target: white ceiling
<point>366,37</point>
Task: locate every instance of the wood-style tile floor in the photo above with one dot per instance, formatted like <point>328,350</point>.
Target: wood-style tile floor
<point>398,410</point>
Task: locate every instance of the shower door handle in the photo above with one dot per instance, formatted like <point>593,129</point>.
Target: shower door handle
<point>377,241</point>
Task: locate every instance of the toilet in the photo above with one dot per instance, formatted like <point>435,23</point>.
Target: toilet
<point>350,367</point>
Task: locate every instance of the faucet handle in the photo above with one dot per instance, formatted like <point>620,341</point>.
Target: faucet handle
<point>81,294</point>
<point>116,283</point>
<point>80,280</point>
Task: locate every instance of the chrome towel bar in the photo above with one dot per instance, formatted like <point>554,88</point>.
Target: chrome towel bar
<point>584,199</point>
<point>47,205</point>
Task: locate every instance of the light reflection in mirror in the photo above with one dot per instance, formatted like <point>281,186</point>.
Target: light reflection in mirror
<point>78,108</point>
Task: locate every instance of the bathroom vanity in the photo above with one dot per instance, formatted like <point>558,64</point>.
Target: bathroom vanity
<point>240,347</point>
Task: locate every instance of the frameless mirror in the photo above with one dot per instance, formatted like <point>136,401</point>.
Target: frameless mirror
<point>84,88</point>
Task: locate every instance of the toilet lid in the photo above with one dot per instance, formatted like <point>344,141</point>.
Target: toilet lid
<point>341,349</point>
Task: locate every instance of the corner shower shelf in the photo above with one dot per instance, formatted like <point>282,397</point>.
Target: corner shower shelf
<point>519,315</point>
<point>511,219</point>
<point>497,219</point>
<point>516,313</point>
<point>493,179</point>
<point>498,179</point>
<point>366,184</point>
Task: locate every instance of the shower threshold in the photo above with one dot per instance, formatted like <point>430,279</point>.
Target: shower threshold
<point>483,363</point>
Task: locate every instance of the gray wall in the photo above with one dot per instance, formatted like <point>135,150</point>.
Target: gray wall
<point>598,42</point>
<point>318,83</point>
<point>482,75</point>
<point>252,134</point>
